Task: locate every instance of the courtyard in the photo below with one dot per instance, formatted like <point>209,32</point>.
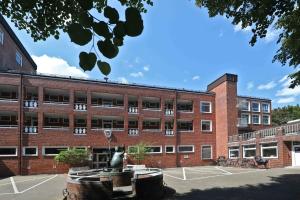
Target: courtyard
<point>207,182</point>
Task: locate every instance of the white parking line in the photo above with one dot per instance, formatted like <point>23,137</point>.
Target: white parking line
<point>226,172</point>
<point>39,183</point>
<point>173,176</point>
<point>14,185</point>
<point>183,173</point>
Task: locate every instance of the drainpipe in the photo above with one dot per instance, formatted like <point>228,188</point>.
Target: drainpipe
<point>20,123</point>
<point>177,139</point>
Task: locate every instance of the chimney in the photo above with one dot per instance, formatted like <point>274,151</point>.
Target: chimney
<point>225,89</point>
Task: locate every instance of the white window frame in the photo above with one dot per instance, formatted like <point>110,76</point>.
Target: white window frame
<point>211,152</point>
<point>18,54</point>
<point>160,147</point>
<point>1,37</point>
<point>249,148</point>
<point>210,128</point>
<point>10,147</point>
<point>258,106</point>
<point>262,105</point>
<point>44,154</point>
<point>245,101</point>
<point>210,106</point>
<point>269,120</point>
<point>173,146</point>
<point>80,147</point>
<point>24,151</point>
<point>259,119</point>
<point>249,118</point>
<point>230,149</point>
<point>270,147</point>
<point>187,145</point>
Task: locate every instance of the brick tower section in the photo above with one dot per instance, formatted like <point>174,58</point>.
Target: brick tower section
<point>225,89</point>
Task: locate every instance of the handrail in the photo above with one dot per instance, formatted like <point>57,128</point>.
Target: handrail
<point>30,129</point>
<point>80,130</point>
<point>133,109</point>
<point>291,129</point>
<point>80,106</point>
<point>133,131</point>
<point>169,132</point>
<point>30,103</point>
<point>56,127</point>
<point>56,102</point>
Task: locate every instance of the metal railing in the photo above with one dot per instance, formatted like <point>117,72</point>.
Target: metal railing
<point>270,132</point>
<point>169,112</point>
<point>8,100</point>
<point>30,129</point>
<point>30,103</point>
<point>133,131</point>
<point>57,102</point>
<point>56,127</point>
<point>152,109</point>
<point>80,106</point>
<point>133,110</point>
<point>80,131</point>
<point>102,129</point>
<point>291,129</point>
<point>107,106</point>
<point>169,132</point>
<point>249,136</point>
<point>152,130</point>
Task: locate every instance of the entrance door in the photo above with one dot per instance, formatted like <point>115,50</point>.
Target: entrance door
<point>297,155</point>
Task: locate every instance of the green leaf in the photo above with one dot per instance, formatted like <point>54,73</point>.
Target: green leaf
<point>118,41</point>
<point>86,4</point>
<point>119,29</point>
<point>132,14</point>
<point>85,19</point>
<point>134,24</point>
<point>107,48</point>
<point>101,28</point>
<point>112,14</point>
<point>104,67</point>
<point>79,35</point>
<point>87,61</point>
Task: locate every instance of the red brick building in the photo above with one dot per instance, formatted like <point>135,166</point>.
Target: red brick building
<point>41,115</point>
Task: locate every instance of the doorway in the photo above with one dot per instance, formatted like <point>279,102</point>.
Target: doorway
<point>296,156</point>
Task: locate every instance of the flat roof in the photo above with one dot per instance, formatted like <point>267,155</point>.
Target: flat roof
<point>252,97</point>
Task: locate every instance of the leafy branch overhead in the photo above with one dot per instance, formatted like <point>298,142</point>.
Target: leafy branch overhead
<point>260,15</point>
<point>79,18</point>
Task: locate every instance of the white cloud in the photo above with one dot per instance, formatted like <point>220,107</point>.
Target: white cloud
<point>271,35</point>
<point>286,91</point>
<point>283,79</point>
<point>137,74</point>
<point>238,27</point>
<point>286,100</point>
<point>137,60</point>
<point>146,68</point>
<point>58,66</point>
<point>195,78</point>
<point>250,85</point>
<point>267,86</point>
<point>123,80</point>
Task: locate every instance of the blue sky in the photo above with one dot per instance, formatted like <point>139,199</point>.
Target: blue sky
<point>181,47</point>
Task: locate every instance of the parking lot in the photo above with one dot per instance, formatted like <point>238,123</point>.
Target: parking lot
<point>207,182</point>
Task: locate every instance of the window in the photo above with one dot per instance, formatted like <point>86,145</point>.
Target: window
<point>266,119</point>
<point>245,118</point>
<point>269,150</point>
<point>154,149</point>
<point>255,107</point>
<point>206,125</point>
<point>132,149</point>
<point>244,105</point>
<point>185,148</point>
<point>19,58</point>
<point>30,151</point>
<point>249,151</point>
<point>234,152</point>
<point>205,107</point>
<point>170,149</point>
<point>1,37</point>
<point>206,152</point>
<point>80,148</point>
<point>53,151</point>
<point>255,119</point>
<point>8,151</point>
<point>265,107</point>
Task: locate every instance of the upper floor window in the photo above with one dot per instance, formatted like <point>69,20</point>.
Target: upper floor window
<point>266,119</point>
<point>206,125</point>
<point>19,58</point>
<point>245,119</point>
<point>205,107</point>
<point>244,105</point>
<point>265,107</point>
<point>255,119</point>
<point>255,107</point>
<point>1,37</point>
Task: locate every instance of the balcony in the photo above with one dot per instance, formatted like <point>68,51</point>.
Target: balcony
<point>56,96</point>
<point>8,93</point>
<point>185,106</point>
<point>133,131</point>
<point>30,97</point>
<point>80,130</point>
<point>56,121</point>
<point>30,123</point>
<point>169,128</point>
<point>151,103</point>
<point>100,123</point>
<point>169,109</point>
<point>80,125</point>
<point>185,126</point>
<point>8,119</point>
<point>169,132</point>
<point>152,125</point>
<point>133,110</point>
<point>242,122</point>
<point>80,101</point>
<point>169,112</point>
<point>106,100</point>
<point>133,105</point>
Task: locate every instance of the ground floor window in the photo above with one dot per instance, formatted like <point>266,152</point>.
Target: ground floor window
<point>185,148</point>
<point>206,152</point>
<point>269,150</point>
<point>170,149</point>
<point>154,149</point>
<point>133,149</point>
<point>8,151</point>
<point>249,151</point>
<point>234,152</point>
<point>53,151</point>
<point>30,151</point>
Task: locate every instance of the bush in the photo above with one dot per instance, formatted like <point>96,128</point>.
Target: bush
<point>73,157</point>
<point>139,152</point>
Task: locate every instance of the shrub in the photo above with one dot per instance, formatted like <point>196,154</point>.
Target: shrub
<point>73,157</point>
